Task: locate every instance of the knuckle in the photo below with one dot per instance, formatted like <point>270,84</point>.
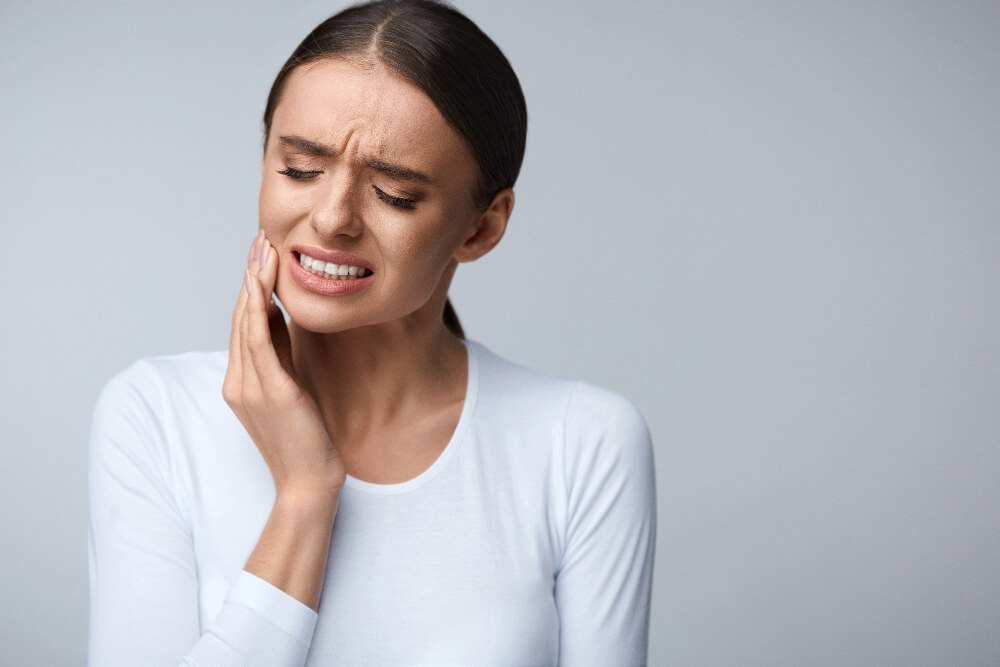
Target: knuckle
<point>289,389</point>
<point>230,391</point>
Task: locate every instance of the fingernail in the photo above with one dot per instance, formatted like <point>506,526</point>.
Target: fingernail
<point>265,255</point>
<point>247,281</point>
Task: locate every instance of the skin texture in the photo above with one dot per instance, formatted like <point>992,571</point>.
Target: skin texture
<point>368,383</point>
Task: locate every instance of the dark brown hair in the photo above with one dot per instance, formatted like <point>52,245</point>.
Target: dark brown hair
<point>447,56</point>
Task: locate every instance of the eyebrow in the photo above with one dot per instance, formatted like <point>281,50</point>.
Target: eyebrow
<point>394,171</point>
<point>397,172</point>
<point>319,150</point>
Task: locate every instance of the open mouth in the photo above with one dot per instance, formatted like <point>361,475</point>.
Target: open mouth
<point>330,270</point>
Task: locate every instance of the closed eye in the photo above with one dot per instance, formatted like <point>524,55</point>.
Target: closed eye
<point>398,202</point>
<point>291,172</point>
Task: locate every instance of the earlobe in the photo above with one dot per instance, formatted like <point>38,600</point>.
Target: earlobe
<point>489,227</point>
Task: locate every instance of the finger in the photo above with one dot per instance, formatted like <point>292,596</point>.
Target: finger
<point>243,327</point>
<point>241,299</point>
<point>264,359</point>
<point>280,338</point>
<point>235,367</point>
<point>267,272</point>
<point>234,334</point>
<point>252,383</point>
<point>253,246</point>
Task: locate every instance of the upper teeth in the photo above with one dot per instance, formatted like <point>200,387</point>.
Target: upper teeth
<point>331,270</point>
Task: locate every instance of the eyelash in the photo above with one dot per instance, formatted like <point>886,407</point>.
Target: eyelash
<point>398,202</point>
<point>291,172</point>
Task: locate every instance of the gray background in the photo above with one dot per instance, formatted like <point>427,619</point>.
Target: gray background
<point>773,225</point>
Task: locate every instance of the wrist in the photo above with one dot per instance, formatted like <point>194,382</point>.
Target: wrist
<point>307,501</point>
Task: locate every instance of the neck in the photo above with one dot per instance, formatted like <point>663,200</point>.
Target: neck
<point>365,379</point>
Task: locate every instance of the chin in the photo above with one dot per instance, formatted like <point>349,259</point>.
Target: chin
<point>324,317</point>
<point>328,315</point>
<point>318,320</point>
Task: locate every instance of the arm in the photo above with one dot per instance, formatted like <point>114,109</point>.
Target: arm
<point>286,425</point>
<point>143,575</point>
<point>603,584</point>
<point>144,587</point>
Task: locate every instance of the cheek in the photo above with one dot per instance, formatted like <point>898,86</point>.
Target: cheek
<point>430,246</point>
<point>274,210</point>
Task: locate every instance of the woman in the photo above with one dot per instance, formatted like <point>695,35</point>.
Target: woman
<point>378,490</point>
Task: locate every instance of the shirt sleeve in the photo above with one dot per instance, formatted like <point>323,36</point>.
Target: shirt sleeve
<point>143,575</point>
<point>603,584</point>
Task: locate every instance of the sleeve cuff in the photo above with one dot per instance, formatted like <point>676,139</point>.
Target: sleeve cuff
<point>277,606</point>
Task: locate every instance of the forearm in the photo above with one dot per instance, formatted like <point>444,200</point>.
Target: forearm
<point>292,551</point>
<point>287,427</point>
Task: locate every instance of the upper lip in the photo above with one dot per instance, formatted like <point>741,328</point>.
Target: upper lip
<point>335,256</point>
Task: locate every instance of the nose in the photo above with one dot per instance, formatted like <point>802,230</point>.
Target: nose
<point>335,209</point>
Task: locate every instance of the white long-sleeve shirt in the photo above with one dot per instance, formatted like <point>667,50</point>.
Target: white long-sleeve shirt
<point>529,541</point>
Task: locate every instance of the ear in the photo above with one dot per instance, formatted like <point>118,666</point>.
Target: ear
<point>489,228</point>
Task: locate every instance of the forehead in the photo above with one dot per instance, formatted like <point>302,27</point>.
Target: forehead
<point>369,109</point>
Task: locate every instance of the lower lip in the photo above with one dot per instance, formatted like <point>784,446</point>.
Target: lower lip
<point>325,286</point>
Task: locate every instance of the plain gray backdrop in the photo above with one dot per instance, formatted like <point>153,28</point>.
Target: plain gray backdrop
<point>775,226</point>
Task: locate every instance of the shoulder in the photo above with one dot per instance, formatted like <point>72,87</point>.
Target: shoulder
<point>596,446</point>
<point>148,396</point>
<point>506,382</point>
<point>136,419</point>
<point>608,445</point>
<point>601,412</point>
<point>158,377</point>
<point>590,417</point>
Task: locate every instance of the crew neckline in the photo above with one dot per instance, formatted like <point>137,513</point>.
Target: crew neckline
<point>468,406</point>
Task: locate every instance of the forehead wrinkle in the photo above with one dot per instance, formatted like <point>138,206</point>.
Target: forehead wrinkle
<point>348,113</point>
<point>362,113</point>
<point>373,105</point>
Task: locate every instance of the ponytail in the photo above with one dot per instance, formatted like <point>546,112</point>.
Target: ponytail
<point>451,319</point>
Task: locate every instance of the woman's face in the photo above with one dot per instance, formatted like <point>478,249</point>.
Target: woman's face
<point>363,172</point>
